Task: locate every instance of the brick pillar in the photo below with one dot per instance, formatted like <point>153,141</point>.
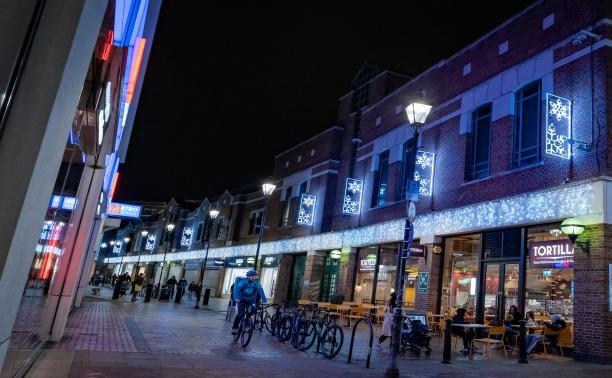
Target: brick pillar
<point>346,279</point>
<point>592,316</point>
<point>430,264</point>
<point>283,281</point>
<point>313,275</point>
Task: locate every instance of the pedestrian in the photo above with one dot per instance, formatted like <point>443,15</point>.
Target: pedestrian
<point>113,279</point>
<point>465,333</point>
<point>182,284</point>
<point>171,282</point>
<point>387,321</point>
<point>138,282</point>
<point>198,292</point>
<point>556,325</point>
<point>190,289</point>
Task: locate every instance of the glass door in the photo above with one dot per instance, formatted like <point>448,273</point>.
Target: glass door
<point>499,294</point>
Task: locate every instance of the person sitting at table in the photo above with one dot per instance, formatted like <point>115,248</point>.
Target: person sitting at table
<point>530,318</point>
<point>465,333</point>
<point>513,318</point>
<point>556,325</point>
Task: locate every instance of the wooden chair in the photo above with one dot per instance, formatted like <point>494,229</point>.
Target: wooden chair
<point>434,323</point>
<point>303,301</point>
<point>490,339</point>
<point>564,339</point>
<point>379,316</point>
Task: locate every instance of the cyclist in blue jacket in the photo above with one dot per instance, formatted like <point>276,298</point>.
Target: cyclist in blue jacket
<point>245,294</point>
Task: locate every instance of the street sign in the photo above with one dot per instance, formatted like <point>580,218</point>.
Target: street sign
<point>423,283</point>
<point>412,190</point>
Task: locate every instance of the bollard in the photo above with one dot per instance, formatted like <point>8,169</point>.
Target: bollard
<point>446,354</point>
<point>522,342</point>
<point>147,298</point>
<point>353,339</point>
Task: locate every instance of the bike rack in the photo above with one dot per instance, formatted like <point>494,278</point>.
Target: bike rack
<point>353,339</point>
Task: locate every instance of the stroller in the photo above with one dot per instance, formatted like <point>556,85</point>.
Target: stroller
<point>415,336</point>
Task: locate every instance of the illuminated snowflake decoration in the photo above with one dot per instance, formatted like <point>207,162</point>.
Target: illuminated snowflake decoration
<point>559,109</point>
<point>150,245</point>
<point>555,144</point>
<point>424,187</point>
<point>424,160</point>
<point>307,207</point>
<point>354,186</point>
<point>349,206</point>
<point>186,238</point>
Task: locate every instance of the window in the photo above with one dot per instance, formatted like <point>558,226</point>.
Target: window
<point>398,109</point>
<point>200,231</point>
<point>378,120</point>
<point>312,152</point>
<point>302,190</point>
<point>255,222</point>
<point>220,234</point>
<point>467,69</point>
<point>379,191</point>
<point>479,144</point>
<point>299,158</point>
<point>407,167</point>
<point>527,125</point>
<point>503,48</point>
<point>284,219</point>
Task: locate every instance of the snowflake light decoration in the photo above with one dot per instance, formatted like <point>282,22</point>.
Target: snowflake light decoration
<point>423,172</point>
<point>424,160</point>
<point>307,208</point>
<point>558,126</point>
<point>150,245</point>
<point>186,238</point>
<point>352,196</point>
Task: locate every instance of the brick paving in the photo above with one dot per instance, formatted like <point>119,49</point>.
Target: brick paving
<point>120,338</point>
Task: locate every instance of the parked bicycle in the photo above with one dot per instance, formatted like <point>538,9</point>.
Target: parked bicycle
<point>325,331</point>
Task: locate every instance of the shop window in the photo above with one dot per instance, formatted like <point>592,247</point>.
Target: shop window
<point>255,222</point>
<point>527,149</point>
<point>549,283</point>
<point>284,219</point>
<point>407,166</point>
<point>502,244</point>
<point>302,190</point>
<point>479,144</point>
<point>200,231</point>
<point>459,284</point>
<point>379,190</point>
<point>366,268</point>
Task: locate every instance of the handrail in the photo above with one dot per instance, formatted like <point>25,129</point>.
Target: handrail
<point>353,340</point>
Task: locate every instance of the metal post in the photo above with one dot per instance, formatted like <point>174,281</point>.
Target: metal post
<point>261,230</point>
<point>197,305</point>
<point>522,346</point>
<point>171,239</point>
<point>446,353</point>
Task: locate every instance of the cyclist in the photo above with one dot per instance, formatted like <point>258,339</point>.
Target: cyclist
<point>245,294</point>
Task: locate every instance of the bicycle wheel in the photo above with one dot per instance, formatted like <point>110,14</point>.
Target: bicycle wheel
<point>284,332</point>
<point>247,331</point>
<point>307,335</point>
<point>258,321</point>
<point>332,340</point>
<point>239,330</point>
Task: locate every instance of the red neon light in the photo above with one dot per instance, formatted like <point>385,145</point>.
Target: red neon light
<point>108,45</point>
<point>48,259</point>
<point>140,45</point>
<point>113,186</point>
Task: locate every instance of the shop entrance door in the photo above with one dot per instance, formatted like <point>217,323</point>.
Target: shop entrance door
<point>297,281</point>
<point>499,289</point>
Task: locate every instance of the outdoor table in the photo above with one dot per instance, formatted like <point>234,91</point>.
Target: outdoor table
<point>472,326</point>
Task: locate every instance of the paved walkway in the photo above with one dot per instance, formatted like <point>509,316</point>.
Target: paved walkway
<point>163,339</point>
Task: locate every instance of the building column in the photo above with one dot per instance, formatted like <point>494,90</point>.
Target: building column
<point>346,274</point>
<point>80,231</point>
<point>592,301</point>
<point>429,264</point>
<point>283,280</point>
<point>34,136</point>
<point>92,247</point>
<point>313,275</point>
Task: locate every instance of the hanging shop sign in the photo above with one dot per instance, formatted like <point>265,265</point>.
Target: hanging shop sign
<point>423,171</point>
<point>352,196</point>
<point>186,237</point>
<point>417,250</point>
<point>307,209</point>
<point>368,264</point>
<point>558,126</point>
<point>150,245</point>
<point>557,254</point>
<point>123,210</point>
<point>216,262</point>
<point>269,261</point>
<point>423,283</point>
<point>240,261</point>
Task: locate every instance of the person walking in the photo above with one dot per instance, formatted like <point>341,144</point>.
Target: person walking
<point>138,282</point>
<point>171,282</point>
<point>387,321</point>
<point>180,290</point>
<point>190,289</point>
<point>198,292</point>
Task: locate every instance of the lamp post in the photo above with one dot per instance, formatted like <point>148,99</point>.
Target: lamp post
<point>125,241</point>
<point>214,213</point>
<point>417,113</point>
<point>267,189</point>
<point>169,239</point>
<point>143,235</point>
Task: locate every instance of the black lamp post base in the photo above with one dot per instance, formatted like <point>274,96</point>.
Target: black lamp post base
<point>392,373</point>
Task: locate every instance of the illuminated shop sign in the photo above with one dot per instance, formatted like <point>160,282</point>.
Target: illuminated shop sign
<point>551,254</point>
<point>104,113</point>
<point>368,264</point>
<point>62,202</point>
<point>218,262</point>
<point>423,171</point>
<point>52,230</point>
<point>151,239</point>
<point>352,196</point>
<point>186,237</point>
<point>417,250</point>
<point>240,262</point>
<point>269,261</point>
<point>123,210</point>
<point>307,209</point>
<point>558,126</point>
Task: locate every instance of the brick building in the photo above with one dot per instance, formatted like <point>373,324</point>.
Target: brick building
<point>516,143</point>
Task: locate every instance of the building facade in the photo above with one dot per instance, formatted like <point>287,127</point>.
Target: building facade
<point>516,142</point>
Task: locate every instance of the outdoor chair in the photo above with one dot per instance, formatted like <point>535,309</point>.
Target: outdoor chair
<point>491,339</point>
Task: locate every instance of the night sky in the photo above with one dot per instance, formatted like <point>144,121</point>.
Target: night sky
<point>229,87</point>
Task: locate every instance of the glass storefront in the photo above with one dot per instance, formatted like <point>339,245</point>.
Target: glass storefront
<point>330,276</point>
<point>459,283</point>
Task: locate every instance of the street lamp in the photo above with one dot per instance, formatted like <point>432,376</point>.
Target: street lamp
<point>169,239</point>
<point>143,235</point>
<point>214,213</point>
<point>417,113</point>
<point>125,241</point>
<point>573,228</point>
<point>268,189</point>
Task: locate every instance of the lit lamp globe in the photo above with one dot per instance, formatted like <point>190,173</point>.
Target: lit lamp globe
<point>417,113</point>
<point>573,228</point>
<point>267,189</point>
<point>126,240</point>
<point>144,233</point>
<point>170,227</point>
<point>214,213</point>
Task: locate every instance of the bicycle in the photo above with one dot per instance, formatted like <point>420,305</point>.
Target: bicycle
<point>245,326</point>
<point>325,331</point>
